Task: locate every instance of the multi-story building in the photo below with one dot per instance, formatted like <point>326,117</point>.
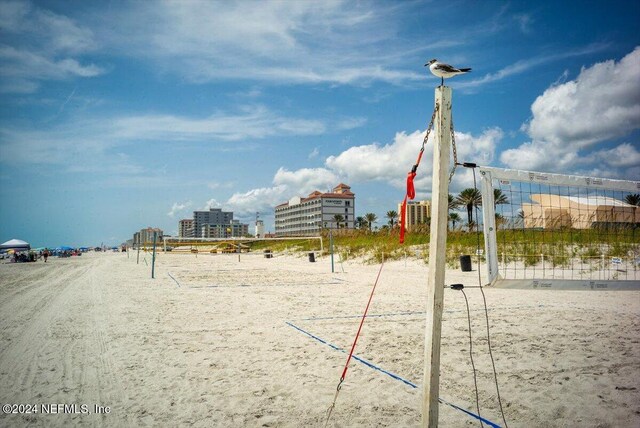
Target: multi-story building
<point>213,217</point>
<point>235,229</point>
<point>212,223</point>
<point>185,228</point>
<point>307,216</point>
<point>417,213</point>
<point>145,236</point>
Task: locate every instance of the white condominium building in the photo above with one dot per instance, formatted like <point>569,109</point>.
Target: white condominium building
<point>307,216</point>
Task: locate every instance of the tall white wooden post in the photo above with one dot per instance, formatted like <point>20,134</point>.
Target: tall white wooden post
<point>437,257</point>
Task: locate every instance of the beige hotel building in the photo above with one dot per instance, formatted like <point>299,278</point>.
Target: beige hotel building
<point>307,216</point>
<point>417,213</point>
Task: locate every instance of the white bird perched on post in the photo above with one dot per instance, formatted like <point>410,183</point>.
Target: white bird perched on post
<point>444,70</point>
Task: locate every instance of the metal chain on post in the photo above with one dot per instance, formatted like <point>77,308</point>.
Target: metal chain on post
<point>455,152</point>
<point>412,174</point>
<point>430,127</point>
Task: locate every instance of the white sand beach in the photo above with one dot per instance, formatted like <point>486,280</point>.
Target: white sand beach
<point>213,341</point>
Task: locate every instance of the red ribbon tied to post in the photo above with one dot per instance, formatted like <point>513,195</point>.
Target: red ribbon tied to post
<point>411,193</point>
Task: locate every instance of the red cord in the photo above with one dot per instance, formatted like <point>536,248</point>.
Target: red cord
<point>411,193</point>
<point>346,366</point>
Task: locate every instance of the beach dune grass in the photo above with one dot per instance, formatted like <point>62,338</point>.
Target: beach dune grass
<point>530,247</point>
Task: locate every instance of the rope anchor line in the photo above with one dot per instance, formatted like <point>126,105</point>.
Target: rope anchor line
<point>353,347</point>
<point>333,405</point>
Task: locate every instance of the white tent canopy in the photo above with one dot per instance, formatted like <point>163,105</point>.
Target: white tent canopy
<point>15,244</point>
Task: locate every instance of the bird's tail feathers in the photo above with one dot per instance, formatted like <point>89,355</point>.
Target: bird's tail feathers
<point>465,69</point>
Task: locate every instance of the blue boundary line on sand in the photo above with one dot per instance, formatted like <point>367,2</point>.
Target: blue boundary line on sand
<point>390,374</point>
<point>260,285</point>
<point>395,314</point>
<point>252,285</point>
<point>360,316</point>
<point>171,276</point>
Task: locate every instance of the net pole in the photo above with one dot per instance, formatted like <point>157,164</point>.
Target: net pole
<point>331,248</point>
<point>437,258</point>
<point>153,257</point>
<point>489,226</point>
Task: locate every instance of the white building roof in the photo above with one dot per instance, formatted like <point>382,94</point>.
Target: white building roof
<point>597,201</point>
<point>15,242</point>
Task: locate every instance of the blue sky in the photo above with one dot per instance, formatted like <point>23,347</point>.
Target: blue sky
<point>119,115</point>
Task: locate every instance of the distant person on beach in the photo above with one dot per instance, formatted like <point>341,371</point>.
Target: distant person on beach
<point>45,254</point>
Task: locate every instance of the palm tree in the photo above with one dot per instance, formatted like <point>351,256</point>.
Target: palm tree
<point>499,198</point>
<point>452,202</point>
<point>338,218</point>
<point>469,198</point>
<point>370,218</point>
<point>392,216</point>
<point>452,205</point>
<point>454,218</point>
<point>361,223</point>
<point>633,199</point>
<point>519,219</point>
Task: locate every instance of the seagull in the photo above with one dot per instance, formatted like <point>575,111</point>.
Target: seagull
<point>444,70</point>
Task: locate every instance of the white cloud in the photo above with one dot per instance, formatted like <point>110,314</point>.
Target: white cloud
<point>257,200</point>
<point>306,180</point>
<point>63,33</point>
<point>336,42</point>
<point>212,203</point>
<point>12,14</point>
<point>391,162</point>
<point>251,122</point>
<point>41,45</point>
<point>571,119</point>
<point>80,142</point>
<point>53,146</point>
<point>80,145</point>
<point>286,184</point>
<point>601,103</point>
<point>351,123</point>
<point>624,155</point>
<point>373,162</point>
<point>18,86</point>
<point>178,207</point>
<point>24,64</point>
<point>314,153</point>
<point>368,163</point>
<point>525,65</point>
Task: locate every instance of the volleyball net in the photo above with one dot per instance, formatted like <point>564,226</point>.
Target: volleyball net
<point>546,230</point>
<point>235,245</point>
